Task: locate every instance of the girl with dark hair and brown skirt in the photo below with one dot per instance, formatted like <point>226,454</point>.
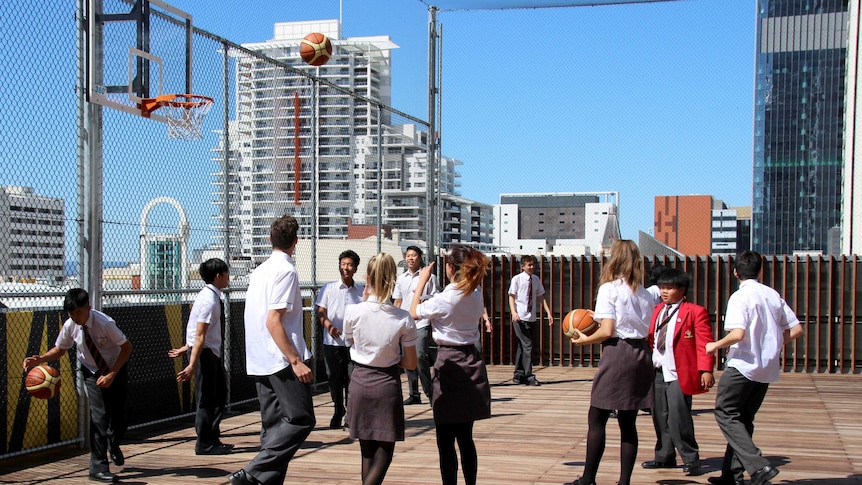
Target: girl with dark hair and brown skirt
<point>383,339</point>
<point>625,376</point>
<point>462,393</point>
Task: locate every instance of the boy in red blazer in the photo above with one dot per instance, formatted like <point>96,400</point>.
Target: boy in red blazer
<point>678,335</point>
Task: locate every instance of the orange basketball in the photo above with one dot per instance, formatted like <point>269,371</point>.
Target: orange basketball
<point>43,382</point>
<point>315,49</point>
<point>579,320</point>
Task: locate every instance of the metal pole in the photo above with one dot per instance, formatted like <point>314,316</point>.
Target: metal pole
<point>432,130</point>
<point>379,178</point>
<point>90,210</point>
<point>226,209</point>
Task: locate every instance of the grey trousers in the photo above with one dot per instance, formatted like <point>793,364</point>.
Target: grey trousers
<point>671,417</point>
<point>736,403</point>
<point>287,418</point>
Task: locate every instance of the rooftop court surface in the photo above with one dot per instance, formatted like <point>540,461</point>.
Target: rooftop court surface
<point>810,426</point>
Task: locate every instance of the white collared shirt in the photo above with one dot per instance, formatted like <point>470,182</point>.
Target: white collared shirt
<point>454,316</point>
<point>206,309</point>
<point>377,332</point>
<point>405,286</point>
<point>334,297</point>
<point>764,315</point>
<point>665,361</point>
<point>104,332</point>
<point>630,311</point>
<point>274,285</point>
<point>519,287</point>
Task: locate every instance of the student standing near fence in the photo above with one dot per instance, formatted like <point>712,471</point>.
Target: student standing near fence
<point>625,376</point>
<point>103,351</point>
<point>331,303</point>
<point>759,323</point>
<point>526,298</point>
<point>204,341</point>
<point>275,355</point>
<point>462,393</point>
<point>405,287</point>
<point>383,339</point>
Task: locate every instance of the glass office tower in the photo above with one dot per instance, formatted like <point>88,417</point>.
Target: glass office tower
<point>798,124</point>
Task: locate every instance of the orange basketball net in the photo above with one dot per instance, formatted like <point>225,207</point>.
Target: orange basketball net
<point>184,113</point>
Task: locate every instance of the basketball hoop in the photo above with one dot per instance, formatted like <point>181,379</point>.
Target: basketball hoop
<point>184,113</point>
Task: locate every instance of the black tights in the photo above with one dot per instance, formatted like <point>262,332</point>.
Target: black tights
<point>447,434</point>
<point>597,420</point>
<point>376,457</point>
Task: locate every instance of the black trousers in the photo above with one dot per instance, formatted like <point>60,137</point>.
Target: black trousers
<point>425,360</point>
<point>210,395</point>
<point>287,418</point>
<point>107,416</point>
<point>737,401</point>
<point>524,348</point>
<point>338,364</point>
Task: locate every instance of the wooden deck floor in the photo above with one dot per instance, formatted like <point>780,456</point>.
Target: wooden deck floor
<point>810,426</point>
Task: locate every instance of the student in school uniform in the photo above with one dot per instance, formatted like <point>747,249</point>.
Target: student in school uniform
<point>625,376</point>
<point>678,336</point>
<point>102,352</point>
<point>462,393</point>
<point>382,340</point>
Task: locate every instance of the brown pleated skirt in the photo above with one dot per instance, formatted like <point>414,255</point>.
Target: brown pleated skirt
<point>375,410</point>
<point>461,389</point>
<point>625,377</point>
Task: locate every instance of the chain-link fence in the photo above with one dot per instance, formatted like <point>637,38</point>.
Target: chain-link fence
<point>85,186</point>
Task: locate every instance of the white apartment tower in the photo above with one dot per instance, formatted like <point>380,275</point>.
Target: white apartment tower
<point>34,227</point>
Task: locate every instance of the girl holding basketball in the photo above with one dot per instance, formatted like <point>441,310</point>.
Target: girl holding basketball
<point>462,393</point>
<point>383,338</point>
<point>624,379</point>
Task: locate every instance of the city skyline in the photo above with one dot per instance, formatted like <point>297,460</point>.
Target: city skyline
<point>492,126</point>
<point>635,91</point>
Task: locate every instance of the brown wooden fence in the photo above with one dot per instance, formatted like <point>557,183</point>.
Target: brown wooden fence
<point>823,290</point>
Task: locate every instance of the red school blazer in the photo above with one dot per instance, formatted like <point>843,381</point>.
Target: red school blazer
<point>693,331</point>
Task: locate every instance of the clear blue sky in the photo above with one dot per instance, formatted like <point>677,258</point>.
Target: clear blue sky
<point>647,99</point>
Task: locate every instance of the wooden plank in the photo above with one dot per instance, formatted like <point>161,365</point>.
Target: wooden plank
<point>807,426</point>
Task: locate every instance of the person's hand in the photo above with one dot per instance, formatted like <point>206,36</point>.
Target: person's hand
<point>550,320</point>
<point>32,361</point>
<point>106,380</point>
<point>707,380</point>
<point>425,272</point>
<point>186,374</point>
<point>334,332</point>
<point>577,338</point>
<point>516,317</point>
<point>174,353</point>
<point>711,347</point>
<point>302,372</point>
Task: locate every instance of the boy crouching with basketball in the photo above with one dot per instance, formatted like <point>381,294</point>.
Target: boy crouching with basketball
<point>679,332</point>
<point>103,351</point>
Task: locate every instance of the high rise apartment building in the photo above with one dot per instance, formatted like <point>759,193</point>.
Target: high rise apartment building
<point>799,125</point>
<point>340,175</point>
<point>33,226</point>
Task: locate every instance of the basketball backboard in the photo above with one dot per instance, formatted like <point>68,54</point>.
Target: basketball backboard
<point>137,49</point>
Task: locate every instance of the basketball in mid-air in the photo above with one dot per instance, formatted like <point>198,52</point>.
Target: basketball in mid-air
<point>43,382</point>
<point>579,320</point>
<point>315,49</point>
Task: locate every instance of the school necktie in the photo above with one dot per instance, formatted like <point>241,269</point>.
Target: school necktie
<point>661,331</point>
<point>101,366</point>
<point>530,295</point>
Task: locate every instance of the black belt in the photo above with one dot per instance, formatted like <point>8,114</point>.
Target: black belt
<point>463,346</point>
